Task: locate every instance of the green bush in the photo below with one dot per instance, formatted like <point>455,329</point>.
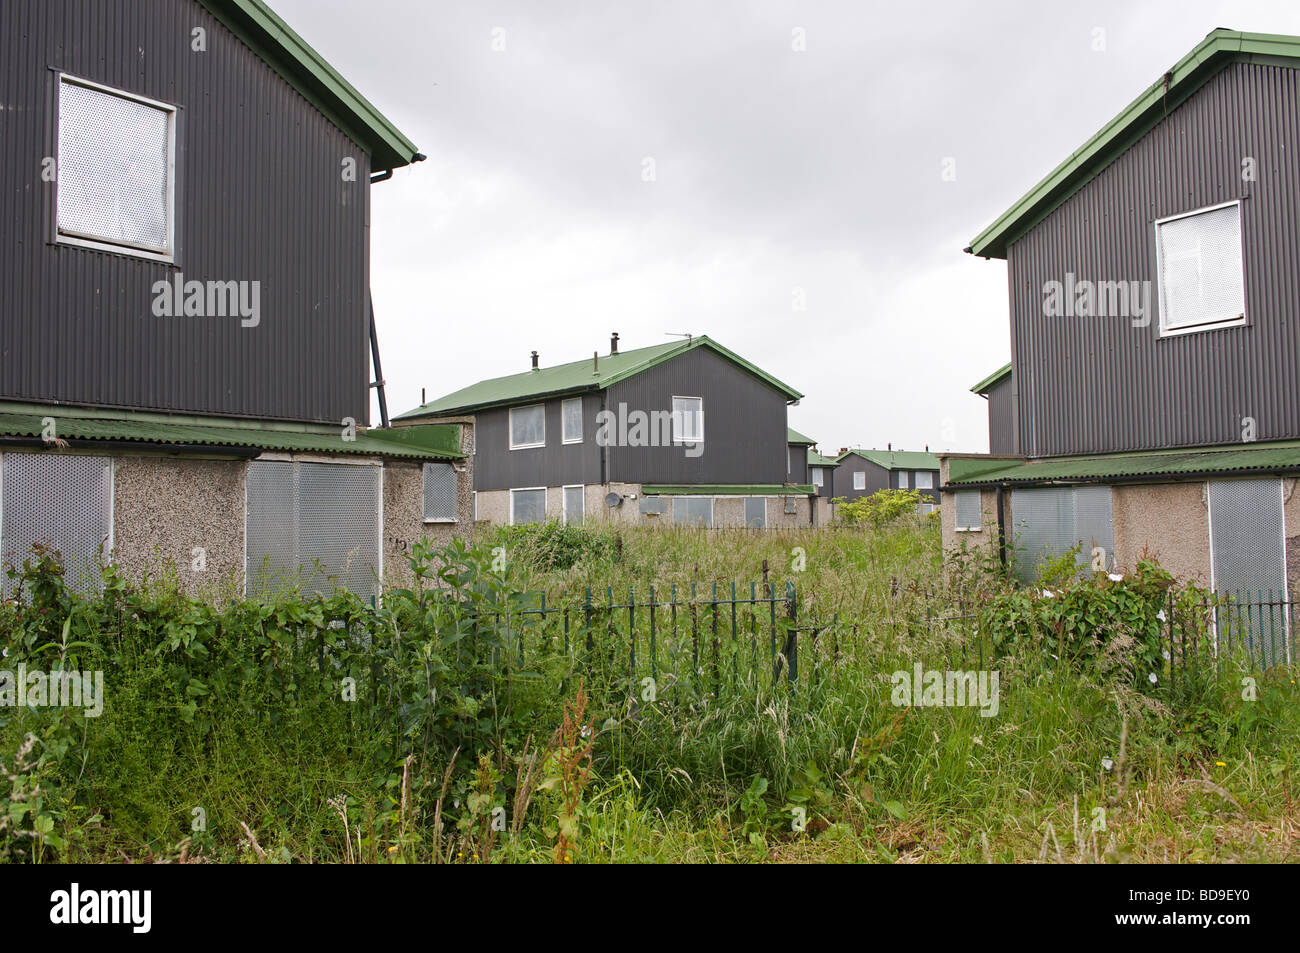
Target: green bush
<point>879,509</point>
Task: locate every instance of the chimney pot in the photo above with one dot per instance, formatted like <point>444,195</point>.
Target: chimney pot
<point>534,360</point>
<point>613,344</point>
<point>844,449</point>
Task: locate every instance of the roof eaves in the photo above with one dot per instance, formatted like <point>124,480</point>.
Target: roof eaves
<point>994,378</point>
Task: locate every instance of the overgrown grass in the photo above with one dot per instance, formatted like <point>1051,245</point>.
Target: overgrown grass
<point>455,749</point>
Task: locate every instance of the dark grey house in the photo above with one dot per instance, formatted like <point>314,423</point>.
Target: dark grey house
<point>863,472</point>
<point>186,333</point>
<point>682,432</point>
<point>1152,403</point>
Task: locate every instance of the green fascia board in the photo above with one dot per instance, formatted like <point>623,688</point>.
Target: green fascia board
<point>366,443</point>
<point>794,436</point>
<point>293,58</point>
<point>1144,466</point>
<point>1216,51</point>
<point>994,378</point>
<point>815,459</point>
<point>728,489</point>
<point>577,377</point>
<point>443,438</point>
<point>895,459</point>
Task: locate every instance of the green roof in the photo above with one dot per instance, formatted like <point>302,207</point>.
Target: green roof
<point>994,378</point>
<point>728,489</point>
<point>815,459</point>
<point>1143,466</point>
<point>578,376</point>
<point>895,459</point>
<point>306,70</point>
<point>1216,51</point>
<point>794,436</point>
<point>432,442</point>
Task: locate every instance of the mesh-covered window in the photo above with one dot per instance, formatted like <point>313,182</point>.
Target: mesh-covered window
<point>316,524</point>
<point>1050,521</point>
<point>573,505</point>
<point>902,479</point>
<point>755,512</point>
<point>439,493</point>
<point>693,510</point>
<point>688,419</point>
<point>571,420</point>
<point>1200,268</point>
<point>1247,556</point>
<point>818,476</point>
<point>62,501</point>
<point>859,481</point>
<point>115,168</point>
<point>528,506</point>
<point>967,510</point>
<point>528,427</point>
<point>924,480</point>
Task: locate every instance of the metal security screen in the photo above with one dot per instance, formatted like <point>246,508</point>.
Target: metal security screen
<point>313,523</point>
<point>573,505</point>
<point>1246,533</point>
<point>755,512</point>
<point>114,168</point>
<point>439,492</point>
<point>967,506</point>
<point>58,500</point>
<point>527,506</point>
<point>1201,268</point>
<point>1050,521</point>
<point>693,510</point>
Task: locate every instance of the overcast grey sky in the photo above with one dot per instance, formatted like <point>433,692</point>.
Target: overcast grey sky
<point>780,176</point>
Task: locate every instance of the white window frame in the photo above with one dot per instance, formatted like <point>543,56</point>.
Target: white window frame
<point>524,489</point>
<point>902,480</point>
<point>510,435</point>
<point>564,501</point>
<point>979,509</point>
<point>1165,329</point>
<point>818,476</point>
<point>929,477</point>
<point>86,240</point>
<point>859,476</point>
<point>679,420</point>
<point>564,419</point>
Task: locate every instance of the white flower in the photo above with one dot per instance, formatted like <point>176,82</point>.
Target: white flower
<point>1161,615</point>
<point>1153,678</point>
<point>1115,576</point>
<point>1048,593</point>
<point>1165,653</point>
<point>1107,763</point>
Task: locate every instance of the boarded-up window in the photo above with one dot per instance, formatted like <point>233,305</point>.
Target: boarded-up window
<point>439,493</point>
<point>755,512</point>
<point>528,427</point>
<point>967,510</point>
<point>115,168</point>
<point>1200,265</point>
<point>902,479</point>
<point>693,510</point>
<point>818,476</point>
<point>316,524</point>
<point>528,506</point>
<point>63,501</point>
<point>573,505</point>
<point>571,420</point>
<point>924,480</point>
<point>859,481</point>
<point>1050,521</point>
<point>1246,553</point>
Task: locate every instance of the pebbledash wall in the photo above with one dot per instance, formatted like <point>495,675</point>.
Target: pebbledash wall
<point>1167,522</point>
<point>164,507</point>
<point>640,509</point>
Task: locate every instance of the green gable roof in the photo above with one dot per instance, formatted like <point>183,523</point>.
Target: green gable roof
<point>1216,51</point>
<point>432,442</point>
<point>794,436</point>
<point>302,67</point>
<point>995,378</point>
<point>576,377</point>
<point>1146,466</point>
<point>895,459</point>
<point>815,459</point>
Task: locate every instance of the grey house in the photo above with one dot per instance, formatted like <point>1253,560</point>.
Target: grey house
<point>186,332</point>
<point>1152,403</point>
<point>861,473</point>
<point>686,432</point>
<point>809,466</point>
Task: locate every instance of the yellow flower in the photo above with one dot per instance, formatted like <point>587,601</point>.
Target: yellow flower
<point>1220,764</point>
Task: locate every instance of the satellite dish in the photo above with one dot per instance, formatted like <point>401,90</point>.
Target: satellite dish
<point>613,499</point>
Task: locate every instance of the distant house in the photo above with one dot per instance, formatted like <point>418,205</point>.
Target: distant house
<point>185,328</point>
<point>864,472</point>
<point>809,466</point>
<point>685,432</point>
<point>1152,402</point>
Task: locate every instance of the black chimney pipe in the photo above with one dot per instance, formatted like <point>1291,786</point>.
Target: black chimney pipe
<point>534,360</point>
<point>613,344</point>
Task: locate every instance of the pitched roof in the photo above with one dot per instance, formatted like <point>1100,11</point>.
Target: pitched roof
<point>578,376</point>
<point>895,459</point>
<point>794,436</point>
<point>431,442</point>
<point>1143,466</point>
<point>815,459</point>
<point>1219,48</point>
<point>993,379</point>
<point>288,54</point>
